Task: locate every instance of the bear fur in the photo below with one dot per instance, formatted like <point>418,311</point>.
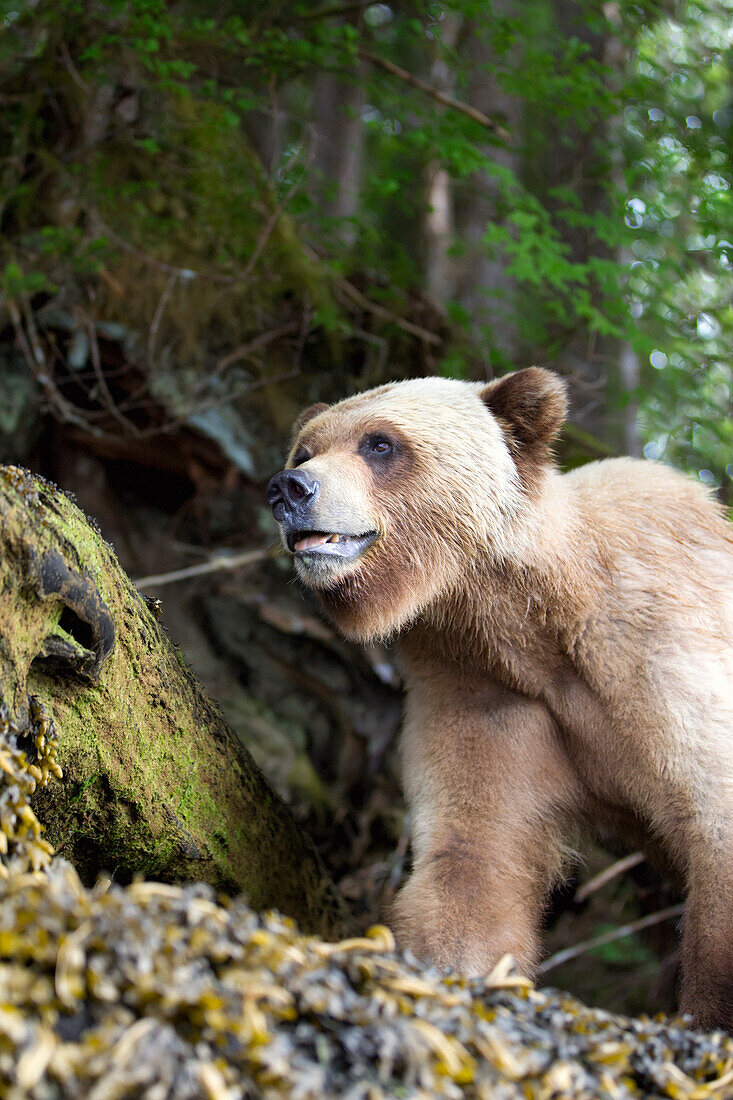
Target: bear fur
<point>567,645</point>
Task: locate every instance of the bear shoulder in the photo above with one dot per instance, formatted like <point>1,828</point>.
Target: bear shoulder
<point>640,495</point>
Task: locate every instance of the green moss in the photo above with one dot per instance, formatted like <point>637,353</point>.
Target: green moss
<point>166,789</point>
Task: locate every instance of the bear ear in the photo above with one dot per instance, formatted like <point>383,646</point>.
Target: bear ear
<point>308,414</point>
<point>530,404</point>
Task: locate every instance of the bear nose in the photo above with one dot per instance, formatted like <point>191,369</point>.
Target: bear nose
<point>291,491</point>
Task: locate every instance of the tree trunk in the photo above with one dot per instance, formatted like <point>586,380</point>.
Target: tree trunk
<point>154,781</point>
<point>438,221</point>
<point>337,107</point>
<point>629,364</point>
<point>563,154</point>
<point>485,289</point>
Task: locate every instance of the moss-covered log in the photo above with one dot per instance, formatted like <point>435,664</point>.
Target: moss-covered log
<point>154,781</point>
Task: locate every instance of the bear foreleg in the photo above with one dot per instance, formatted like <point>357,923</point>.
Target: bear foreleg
<point>490,792</point>
<point>707,941</point>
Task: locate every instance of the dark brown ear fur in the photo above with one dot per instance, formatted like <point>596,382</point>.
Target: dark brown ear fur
<point>308,414</point>
<point>532,403</point>
<point>531,406</point>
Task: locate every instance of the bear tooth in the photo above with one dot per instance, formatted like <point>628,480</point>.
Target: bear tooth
<point>334,538</point>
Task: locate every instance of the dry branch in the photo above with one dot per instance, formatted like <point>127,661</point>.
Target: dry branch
<point>213,565</point>
<point>366,304</point>
<point>582,948</point>
<point>607,874</point>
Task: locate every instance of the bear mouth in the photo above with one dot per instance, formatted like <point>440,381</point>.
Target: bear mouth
<point>329,544</point>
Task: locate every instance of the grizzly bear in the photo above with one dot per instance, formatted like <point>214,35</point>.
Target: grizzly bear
<point>567,646</point>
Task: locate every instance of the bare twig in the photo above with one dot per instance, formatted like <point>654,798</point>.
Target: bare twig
<point>332,11</point>
<point>380,311</point>
<point>32,349</point>
<point>248,349</point>
<point>215,403</point>
<point>560,957</point>
<point>34,355</point>
<point>188,273</point>
<point>39,355</point>
<point>158,315</point>
<point>608,873</point>
<point>436,93</point>
<point>182,272</point>
<point>265,235</point>
<point>380,344</point>
<point>106,397</point>
<point>213,565</point>
<point>21,337</point>
<point>72,69</point>
<point>272,221</point>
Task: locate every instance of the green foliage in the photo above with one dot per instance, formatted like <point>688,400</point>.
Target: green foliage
<point>15,282</point>
<point>680,213</point>
<point>624,952</point>
<point>182,134</point>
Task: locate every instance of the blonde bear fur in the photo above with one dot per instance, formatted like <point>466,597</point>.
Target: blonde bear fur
<point>567,645</point>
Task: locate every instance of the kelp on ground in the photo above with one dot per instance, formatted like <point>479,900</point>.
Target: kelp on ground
<point>156,991</point>
<point>159,991</point>
<point>26,761</point>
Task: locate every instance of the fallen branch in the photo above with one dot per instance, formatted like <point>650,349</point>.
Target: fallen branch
<point>213,565</point>
<point>182,420</point>
<point>582,948</point>
<point>269,226</point>
<point>158,316</point>
<point>33,353</point>
<point>106,399</point>
<point>607,874</point>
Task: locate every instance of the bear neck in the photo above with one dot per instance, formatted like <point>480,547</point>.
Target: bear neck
<point>500,609</point>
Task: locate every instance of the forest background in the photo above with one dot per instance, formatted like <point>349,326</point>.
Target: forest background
<point>213,214</point>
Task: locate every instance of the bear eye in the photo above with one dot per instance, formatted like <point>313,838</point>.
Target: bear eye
<point>300,456</point>
<point>378,445</point>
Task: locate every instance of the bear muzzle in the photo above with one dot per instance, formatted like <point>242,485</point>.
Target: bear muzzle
<point>292,494</point>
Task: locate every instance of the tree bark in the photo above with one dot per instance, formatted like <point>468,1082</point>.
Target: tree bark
<point>563,154</point>
<point>629,364</point>
<point>438,222</point>
<point>485,289</point>
<point>154,781</point>
<point>339,148</point>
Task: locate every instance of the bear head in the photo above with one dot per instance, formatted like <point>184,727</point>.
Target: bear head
<point>389,498</point>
